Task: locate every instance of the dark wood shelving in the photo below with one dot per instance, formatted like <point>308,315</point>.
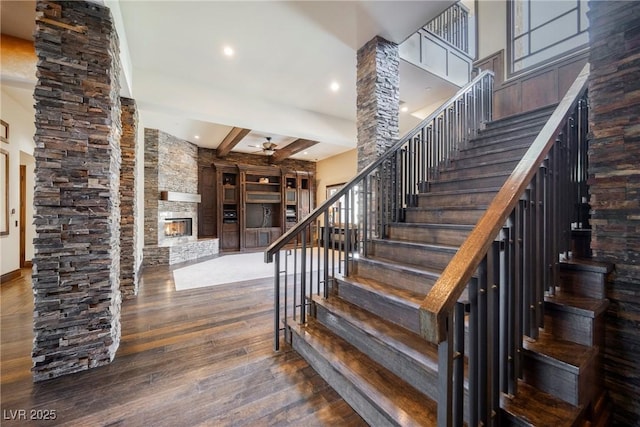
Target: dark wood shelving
<point>246,214</point>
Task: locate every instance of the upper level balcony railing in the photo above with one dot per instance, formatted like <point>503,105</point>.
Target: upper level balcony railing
<point>441,47</point>
<point>452,25</point>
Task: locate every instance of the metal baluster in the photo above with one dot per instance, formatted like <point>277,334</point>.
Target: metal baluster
<point>445,371</point>
<point>325,238</point>
<point>303,284</point>
<point>474,369</point>
<point>483,340</point>
<point>276,302</point>
<point>493,328</point>
<point>458,365</point>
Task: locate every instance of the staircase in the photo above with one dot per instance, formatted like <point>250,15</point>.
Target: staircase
<point>364,331</point>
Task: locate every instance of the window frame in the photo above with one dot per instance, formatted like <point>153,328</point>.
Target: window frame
<point>511,40</point>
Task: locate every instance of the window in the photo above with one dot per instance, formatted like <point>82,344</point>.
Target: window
<point>543,30</point>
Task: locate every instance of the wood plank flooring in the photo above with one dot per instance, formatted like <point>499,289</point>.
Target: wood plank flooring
<point>194,357</point>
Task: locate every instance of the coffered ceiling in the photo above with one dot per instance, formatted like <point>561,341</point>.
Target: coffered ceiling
<point>277,82</point>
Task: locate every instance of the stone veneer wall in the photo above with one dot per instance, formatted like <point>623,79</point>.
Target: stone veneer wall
<point>614,169</point>
<point>378,98</point>
<point>151,190</point>
<point>77,214</point>
<point>171,164</point>
<point>128,199</point>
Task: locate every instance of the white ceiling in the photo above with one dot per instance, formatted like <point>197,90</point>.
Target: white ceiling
<point>287,53</point>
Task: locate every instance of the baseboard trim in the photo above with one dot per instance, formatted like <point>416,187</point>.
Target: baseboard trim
<point>28,264</point>
<point>15,274</point>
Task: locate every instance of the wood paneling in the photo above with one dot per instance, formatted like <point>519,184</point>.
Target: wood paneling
<point>201,356</point>
<point>494,63</point>
<point>535,89</point>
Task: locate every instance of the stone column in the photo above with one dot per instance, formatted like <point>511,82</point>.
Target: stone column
<point>128,199</point>
<point>77,206</point>
<point>614,178</point>
<point>378,98</point>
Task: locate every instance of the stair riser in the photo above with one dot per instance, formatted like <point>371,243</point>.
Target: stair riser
<point>358,400</point>
<point>583,283</point>
<point>576,388</point>
<point>573,327</point>
<point>480,170</point>
<point>507,135</point>
<point>469,184</point>
<point>499,147</point>
<point>433,235</point>
<point>407,280</point>
<point>464,199</point>
<point>416,374</point>
<point>391,310</point>
<point>468,160</point>
<point>420,257</point>
<point>508,122</point>
<point>462,217</point>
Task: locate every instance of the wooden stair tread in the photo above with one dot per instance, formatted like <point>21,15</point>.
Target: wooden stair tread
<point>402,402</point>
<point>401,339</point>
<point>496,161</point>
<point>564,354</point>
<point>501,173</point>
<point>585,306</point>
<point>464,191</point>
<point>397,266</point>
<point>447,208</point>
<point>581,264</point>
<point>541,112</point>
<point>533,407</point>
<point>417,245</point>
<point>460,227</point>
<point>404,296</point>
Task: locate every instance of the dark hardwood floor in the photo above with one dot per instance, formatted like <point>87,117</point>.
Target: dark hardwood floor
<point>195,357</point>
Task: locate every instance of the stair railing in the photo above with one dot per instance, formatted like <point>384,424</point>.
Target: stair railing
<point>506,265</point>
<point>323,245</point>
<point>452,25</point>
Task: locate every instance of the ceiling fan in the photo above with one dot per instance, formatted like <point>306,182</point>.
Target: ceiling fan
<point>267,147</point>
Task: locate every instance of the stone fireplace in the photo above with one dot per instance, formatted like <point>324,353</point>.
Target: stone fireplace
<point>171,202</point>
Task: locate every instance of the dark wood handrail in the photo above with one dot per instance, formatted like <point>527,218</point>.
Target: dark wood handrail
<point>324,206</point>
<point>440,301</point>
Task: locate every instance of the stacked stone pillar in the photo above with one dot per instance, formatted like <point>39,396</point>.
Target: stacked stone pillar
<point>378,98</point>
<point>614,170</point>
<point>77,205</point>
<point>128,200</point>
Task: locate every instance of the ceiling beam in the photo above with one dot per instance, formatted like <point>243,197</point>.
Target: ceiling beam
<point>231,140</point>
<point>291,149</point>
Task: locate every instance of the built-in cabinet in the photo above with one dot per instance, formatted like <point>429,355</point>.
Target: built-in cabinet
<point>254,205</point>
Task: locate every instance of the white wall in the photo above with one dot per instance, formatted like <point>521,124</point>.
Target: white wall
<point>21,131</point>
<point>492,28</point>
<point>337,169</point>
<point>30,229</point>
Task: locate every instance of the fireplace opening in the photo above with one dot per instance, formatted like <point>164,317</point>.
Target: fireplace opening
<point>177,227</point>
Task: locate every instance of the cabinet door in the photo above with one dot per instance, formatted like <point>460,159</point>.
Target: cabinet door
<point>230,239</point>
<point>229,194</point>
<point>207,208</point>
<point>251,238</point>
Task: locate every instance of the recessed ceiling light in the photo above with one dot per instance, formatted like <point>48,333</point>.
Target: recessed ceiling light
<point>335,86</point>
<point>228,51</point>
<point>197,136</point>
<point>404,109</point>
<point>305,152</point>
